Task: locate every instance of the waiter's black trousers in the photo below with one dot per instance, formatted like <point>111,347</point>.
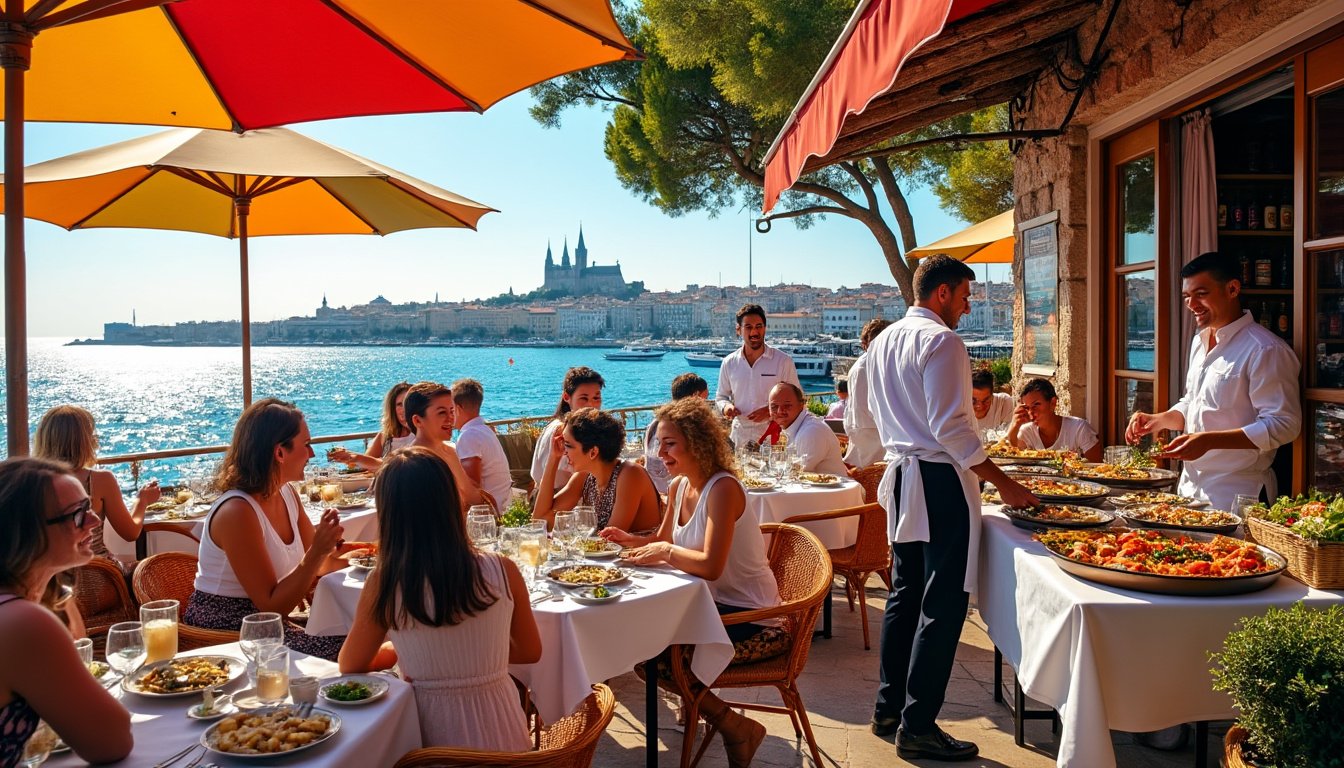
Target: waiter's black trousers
<point>927,606</point>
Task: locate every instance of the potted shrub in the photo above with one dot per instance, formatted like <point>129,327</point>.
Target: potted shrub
<point>1285,674</point>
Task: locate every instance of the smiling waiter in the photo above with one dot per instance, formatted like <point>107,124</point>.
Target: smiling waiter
<point>919,391</point>
<point>1241,394</point>
<point>746,376</point>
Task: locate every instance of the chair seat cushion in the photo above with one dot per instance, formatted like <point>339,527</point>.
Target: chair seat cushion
<point>766,644</point>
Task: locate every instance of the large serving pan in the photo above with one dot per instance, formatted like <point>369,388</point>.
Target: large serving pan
<point>1175,585</point>
<point>1134,514</point>
<point>1093,491</point>
<point>1156,478</point>
<point>1029,519</point>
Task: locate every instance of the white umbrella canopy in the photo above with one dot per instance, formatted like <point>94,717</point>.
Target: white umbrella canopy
<point>268,182</point>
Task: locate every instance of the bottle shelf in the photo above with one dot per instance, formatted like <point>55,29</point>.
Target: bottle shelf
<point>1329,340</point>
<point>1255,232</point>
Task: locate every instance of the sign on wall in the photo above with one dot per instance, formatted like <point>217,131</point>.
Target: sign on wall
<point>1039,240</point>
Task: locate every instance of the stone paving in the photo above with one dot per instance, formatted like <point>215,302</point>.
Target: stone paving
<point>838,686</point>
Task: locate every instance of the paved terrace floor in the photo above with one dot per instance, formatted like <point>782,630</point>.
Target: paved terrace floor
<point>838,687</point>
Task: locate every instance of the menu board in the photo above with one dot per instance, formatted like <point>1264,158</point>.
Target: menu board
<point>1039,241</point>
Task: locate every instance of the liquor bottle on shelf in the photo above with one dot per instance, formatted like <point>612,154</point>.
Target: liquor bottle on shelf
<point>1264,270</point>
<point>1286,211</point>
<point>1270,216</point>
<point>1265,321</point>
<point>1247,270</point>
<point>1283,319</point>
<point>1238,212</point>
<point>1222,209</point>
<point>1284,278</point>
<point>1253,212</point>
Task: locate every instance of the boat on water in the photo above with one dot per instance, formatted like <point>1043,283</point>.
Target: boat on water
<point>704,359</point>
<point>629,352</point>
<point>810,363</point>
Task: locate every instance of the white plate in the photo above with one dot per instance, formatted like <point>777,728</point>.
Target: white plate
<point>585,596</point>
<point>353,505</point>
<point>761,489</point>
<point>611,550</point>
<point>223,706</point>
<point>618,575</point>
<point>364,563</point>
<point>247,699</point>
<point>334,728</point>
<point>131,682</point>
<point>377,689</point>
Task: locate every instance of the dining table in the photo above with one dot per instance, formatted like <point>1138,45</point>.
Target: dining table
<point>585,644</point>
<point>371,734</point>
<point>1109,658</point>
<point>782,502</point>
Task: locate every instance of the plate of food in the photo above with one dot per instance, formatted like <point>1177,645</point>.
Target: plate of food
<point>586,575</point>
<point>598,547</point>
<point>269,732</point>
<point>183,676</point>
<point>1031,469</point>
<point>1154,497</point>
<point>220,706</point>
<point>758,484</point>
<point>1060,489</point>
<point>1059,516</point>
<point>1165,562</point>
<point>1002,453</point>
<point>347,501</point>
<point>596,595</point>
<point>353,690</point>
<point>1180,517</point>
<point>819,479</point>
<point>1122,476</point>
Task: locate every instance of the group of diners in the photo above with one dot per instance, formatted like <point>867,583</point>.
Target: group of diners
<point>1032,421</point>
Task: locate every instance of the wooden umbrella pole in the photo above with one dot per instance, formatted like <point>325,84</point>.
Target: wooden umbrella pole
<point>243,206</point>
<point>16,43</point>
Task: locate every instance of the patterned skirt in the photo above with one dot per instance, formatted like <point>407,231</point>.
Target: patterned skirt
<point>209,611</point>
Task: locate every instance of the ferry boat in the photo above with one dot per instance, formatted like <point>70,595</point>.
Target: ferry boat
<point>629,352</point>
<point>704,359</point>
<point>810,363</point>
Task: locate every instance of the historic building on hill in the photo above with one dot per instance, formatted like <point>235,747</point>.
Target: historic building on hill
<point>579,278</point>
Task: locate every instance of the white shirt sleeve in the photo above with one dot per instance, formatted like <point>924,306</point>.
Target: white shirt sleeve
<point>818,447</point>
<point>542,454</point>
<point>723,394</point>
<point>1274,396</point>
<point>947,369</point>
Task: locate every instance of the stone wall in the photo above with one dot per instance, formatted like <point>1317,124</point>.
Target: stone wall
<point>1051,174</point>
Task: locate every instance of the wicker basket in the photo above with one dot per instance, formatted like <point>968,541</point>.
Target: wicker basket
<point>1232,744</point>
<point>1319,565</point>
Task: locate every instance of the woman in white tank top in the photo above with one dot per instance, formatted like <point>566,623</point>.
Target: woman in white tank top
<point>707,532</point>
<point>1037,425</point>
<point>457,617</point>
<point>259,551</point>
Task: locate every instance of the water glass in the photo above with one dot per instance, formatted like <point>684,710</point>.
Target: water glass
<point>272,674</point>
<point>125,647</point>
<point>84,647</point>
<point>508,542</point>
<point>159,619</point>
<point>330,492</point>
<point>585,517</point>
<point>303,689</point>
<point>1116,454</point>
<point>39,746</point>
<point>532,554</point>
<point>1241,506</point>
<point>566,529</point>
<point>481,528</point>
<point>258,632</point>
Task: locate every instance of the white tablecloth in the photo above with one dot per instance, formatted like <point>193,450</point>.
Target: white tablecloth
<point>360,525</point>
<point>775,506</point>
<point>1109,658</point>
<point>372,734</point>
<point>582,645</point>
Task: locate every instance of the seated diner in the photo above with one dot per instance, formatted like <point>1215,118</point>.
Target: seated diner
<point>619,491</point>
<point>1037,425</point>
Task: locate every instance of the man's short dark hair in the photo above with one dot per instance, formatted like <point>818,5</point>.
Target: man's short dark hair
<point>871,329</point>
<point>939,270</point>
<point>750,309</point>
<point>1219,266</point>
<point>1043,386</point>
<point>982,379</point>
<point>688,384</point>
<point>842,386</point>
<point>468,392</point>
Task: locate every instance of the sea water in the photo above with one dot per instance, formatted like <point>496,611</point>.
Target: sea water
<point>160,398</point>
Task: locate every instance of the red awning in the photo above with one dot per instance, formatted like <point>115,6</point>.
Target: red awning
<point>862,65</point>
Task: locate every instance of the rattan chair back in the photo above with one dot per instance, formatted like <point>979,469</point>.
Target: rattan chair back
<point>103,599</point>
<point>172,576</point>
<point>869,477</point>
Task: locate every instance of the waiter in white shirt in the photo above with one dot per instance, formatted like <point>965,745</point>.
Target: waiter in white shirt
<point>809,438</point>
<point>1241,393</point>
<point>865,447</point>
<point>920,393</point>
<point>746,376</point>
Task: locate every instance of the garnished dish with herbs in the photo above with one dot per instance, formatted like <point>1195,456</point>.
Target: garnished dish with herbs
<point>185,675</point>
<point>1063,513</point>
<point>586,575</point>
<point>1152,497</point>
<point>1178,516</point>
<point>349,690</point>
<point>1316,516</point>
<point>1046,488</point>
<point>1003,450</point>
<point>1156,552</point>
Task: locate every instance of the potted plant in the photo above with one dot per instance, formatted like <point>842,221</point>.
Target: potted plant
<point>1285,674</point>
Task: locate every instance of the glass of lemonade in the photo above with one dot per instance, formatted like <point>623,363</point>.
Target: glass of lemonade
<point>125,647</point>
<point>272,674</point>
<point>159,619</point>
<point>531,554</point>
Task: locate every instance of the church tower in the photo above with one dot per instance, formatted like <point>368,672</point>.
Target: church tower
<point>564,257</point>
<point>581,253</point>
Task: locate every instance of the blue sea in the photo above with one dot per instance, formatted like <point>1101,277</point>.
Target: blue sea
<point>159,398</point>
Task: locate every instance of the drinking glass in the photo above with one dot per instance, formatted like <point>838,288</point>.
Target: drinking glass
<point>330,492</point>
<point>258,632</point>
<point>1241,506</point>
<point>159,619</point>
<point>39,745</point>
<point>508,542</point>
<point>84,647</point>
<point>531,555</point>
<point>481,526</point>
<point>482,509</point>
<point>585,517</point>
<point>1116,454</point>
<point>566,529</point>
<point>125,647</point>
<point>272,674</point>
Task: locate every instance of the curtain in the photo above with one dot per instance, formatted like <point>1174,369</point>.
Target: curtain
<point>1199,212</point>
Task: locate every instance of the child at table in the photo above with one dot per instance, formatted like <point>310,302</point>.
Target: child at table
<point>457,617</point>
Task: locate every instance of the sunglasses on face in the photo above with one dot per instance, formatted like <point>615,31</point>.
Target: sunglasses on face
<point>78,514</point>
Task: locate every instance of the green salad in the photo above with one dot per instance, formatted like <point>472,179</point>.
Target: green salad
<point>1315,515</point>
<point>348,691</point>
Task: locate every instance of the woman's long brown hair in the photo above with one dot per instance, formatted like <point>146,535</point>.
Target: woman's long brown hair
<point>428,570</point>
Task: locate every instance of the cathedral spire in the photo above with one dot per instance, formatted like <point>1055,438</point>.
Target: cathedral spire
<point>581,251</point>
<point>564,257</point>
<point>550,260</point>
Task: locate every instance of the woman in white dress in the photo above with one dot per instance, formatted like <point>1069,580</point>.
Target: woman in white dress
<point>457,617</point>
<point>1036,425</point>
<point>707,532</point>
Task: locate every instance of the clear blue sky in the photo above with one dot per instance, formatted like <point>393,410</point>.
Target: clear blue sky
<point>544,182</point>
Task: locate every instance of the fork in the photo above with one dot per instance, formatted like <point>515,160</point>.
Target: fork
<point>178,756</point>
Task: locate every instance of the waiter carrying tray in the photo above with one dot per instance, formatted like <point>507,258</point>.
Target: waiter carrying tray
<point>919,391</point>
<point>1241,393</point>
<point>746,376</point>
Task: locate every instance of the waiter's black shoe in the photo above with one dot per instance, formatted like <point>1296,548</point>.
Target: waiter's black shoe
<point>885,726</point>
<point>936,745</point>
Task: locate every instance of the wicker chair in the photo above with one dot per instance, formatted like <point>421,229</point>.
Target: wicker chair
<point>567,743</point>
<point>869,477</point>
<point>803,573</point>
<point>170,576</point>
<point>869,554</point>
<point>103,599</point>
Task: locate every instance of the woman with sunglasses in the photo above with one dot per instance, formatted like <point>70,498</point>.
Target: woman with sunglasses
<point>259,551</point>
<point>66,434</point>
<point>46,527</point>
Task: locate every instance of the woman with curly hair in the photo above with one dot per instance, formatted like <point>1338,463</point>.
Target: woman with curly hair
<point>707,532</point>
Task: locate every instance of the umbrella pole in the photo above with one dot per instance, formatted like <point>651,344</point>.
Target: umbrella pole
<point>16,45</point>
<point>243,206</point>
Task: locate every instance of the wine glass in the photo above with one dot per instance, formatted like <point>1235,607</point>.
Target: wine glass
<point>125,647</point>
<point>566,528</point>
<point>482,529</point>
<point>585,517</point>
<point>259,631</point>
<point>508,542</point>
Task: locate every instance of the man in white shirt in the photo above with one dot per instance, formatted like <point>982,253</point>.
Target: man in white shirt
<point>582,388</point>
<point>478,447</point>
<point>1241,393</point>
<point>809,437</point>
<point>746,376</point>
<point>920,393</point>
<point>865,447</point>
<point>684,385</point>
<point>993,410</point>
